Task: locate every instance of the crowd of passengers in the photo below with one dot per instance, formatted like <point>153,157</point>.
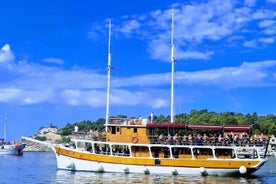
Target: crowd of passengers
<point>212,139</point>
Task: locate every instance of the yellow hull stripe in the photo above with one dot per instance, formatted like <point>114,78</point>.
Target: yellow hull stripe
<point>172,162</point>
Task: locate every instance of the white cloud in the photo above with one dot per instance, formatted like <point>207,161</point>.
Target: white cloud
<point>53,60</point>
<point>270,31</point>
<point>194,23</point>
<point>263,14</point>
<point>250,3</point>
<point>194,55</point>
<point>8,94</point>
<point>266,23</point>
<point>6,55</point>
<point>267,40</point>
<point>250,43</point>
<point>245,75</point>
<point>81,97</point>
<point>37,84</point>
<point>199,26</point>
<point>271,1</point>
<point>129,27</point>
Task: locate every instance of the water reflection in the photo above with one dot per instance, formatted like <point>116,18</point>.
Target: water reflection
<point>116,178</point>
<point>267,174</point>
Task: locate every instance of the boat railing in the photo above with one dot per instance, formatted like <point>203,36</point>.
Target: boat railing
<point>128,121</point>
<point>93,136</point>
<point>177,151</point>
<point>155,139</point>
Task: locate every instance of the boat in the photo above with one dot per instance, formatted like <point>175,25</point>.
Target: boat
<point>130,145</point>
<point>9,148</point>
<point>271,149</point>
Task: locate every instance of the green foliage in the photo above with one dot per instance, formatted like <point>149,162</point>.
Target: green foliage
<point>262,124</point>
<point>67,130</point>
<point>84,126</point>
<point>64,139</point>
<point>40,138</point>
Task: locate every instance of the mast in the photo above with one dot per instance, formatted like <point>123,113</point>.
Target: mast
<point>172,72</point>
<point>5,126</point>
<point>108,77</point>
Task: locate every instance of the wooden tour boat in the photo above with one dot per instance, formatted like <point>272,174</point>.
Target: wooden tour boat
<point>129,146</point>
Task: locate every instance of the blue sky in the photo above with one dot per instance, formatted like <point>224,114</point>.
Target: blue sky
<point>53,59</point>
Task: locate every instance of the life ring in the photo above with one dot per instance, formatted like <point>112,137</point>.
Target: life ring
<point>134,140</point>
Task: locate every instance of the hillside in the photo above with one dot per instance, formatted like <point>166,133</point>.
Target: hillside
<point>42,140</point>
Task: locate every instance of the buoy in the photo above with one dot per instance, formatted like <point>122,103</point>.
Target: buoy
<point>175,172</point>
<point>147,172</point>
<point>16,145</point>
<point>71,166</point>
<point>242,169</point>
<point>203,171</point>
<point>100,169</point>
<point>126,170</point>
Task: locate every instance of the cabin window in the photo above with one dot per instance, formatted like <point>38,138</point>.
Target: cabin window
<point>160,152</point>
<point>113,130</point>
<point>155,151</point>
<point>167,153</point>
<point>180,152</point>
<point>103,149</point>
<point>246,153</point>
<point>135,130</point>
<point>175,152</point>
<point>224,153</point>
<point>140,151</point>
<point>118,129</point>
<point>88,146</point>
<point>203,153</point>
<point>120,150</point>
<point>81,146</point>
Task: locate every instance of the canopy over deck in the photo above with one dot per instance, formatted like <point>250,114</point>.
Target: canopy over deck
<point>234,128</point>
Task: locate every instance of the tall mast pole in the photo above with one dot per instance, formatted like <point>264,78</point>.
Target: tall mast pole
<point>108,78</point>
<point>5,126</point>
<point>172,72</point>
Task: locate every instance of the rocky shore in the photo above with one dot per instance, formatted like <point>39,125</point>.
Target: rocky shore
<point>49,134</point>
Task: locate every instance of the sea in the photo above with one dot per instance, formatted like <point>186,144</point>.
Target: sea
<point>40,168</point>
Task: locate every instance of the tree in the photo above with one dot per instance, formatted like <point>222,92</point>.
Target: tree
<point>262,124</point>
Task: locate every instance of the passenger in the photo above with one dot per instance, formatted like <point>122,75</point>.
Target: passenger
<point>102,151</point>
<point>220,140</point>
<point>235,139</point>
<point>91,134</point>
<point>190,139</point>
<point>204,139</point>
<point>126,152</point>
<point>169,139</point>
<point>198,139</point>
<point>185,140</point>
<point>73,145</point>
<point>231,139</point>
<point>161,138</point>
<point>176,137</point>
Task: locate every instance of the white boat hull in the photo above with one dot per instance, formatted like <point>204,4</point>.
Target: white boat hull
<point>12,149</point>
<point>73,164</point>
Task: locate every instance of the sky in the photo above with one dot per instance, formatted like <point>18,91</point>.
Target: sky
<point>53,59</point>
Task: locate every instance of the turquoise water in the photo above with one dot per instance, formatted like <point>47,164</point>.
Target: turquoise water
<point>40,168</point>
